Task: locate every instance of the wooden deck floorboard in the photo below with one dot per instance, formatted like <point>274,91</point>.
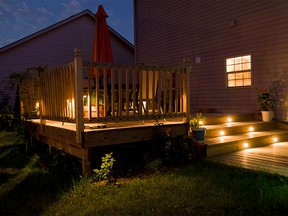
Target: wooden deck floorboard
<point>272,158</point>
<point>110,125</point>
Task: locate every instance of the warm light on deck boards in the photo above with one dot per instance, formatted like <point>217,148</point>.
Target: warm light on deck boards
<point>272,158</point>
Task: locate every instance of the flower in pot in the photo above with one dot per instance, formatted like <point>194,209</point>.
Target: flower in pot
<point>198,132</point>
<point>94,104</point>
<point>265,104</point>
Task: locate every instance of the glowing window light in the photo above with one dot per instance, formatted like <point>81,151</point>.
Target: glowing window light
<point>246,145</point>
<point>222,133</point>
<point>251,129</point>
<point>229,119</point>
<point>275,139</point>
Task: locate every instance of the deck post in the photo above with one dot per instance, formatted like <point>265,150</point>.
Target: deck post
<point>187,72</point>
<point>86,162</point>
<point>79,114</point>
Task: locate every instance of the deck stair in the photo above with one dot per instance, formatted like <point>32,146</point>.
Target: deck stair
<point>241,132</point>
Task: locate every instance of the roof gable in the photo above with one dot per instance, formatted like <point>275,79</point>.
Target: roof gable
<point>58,25</point>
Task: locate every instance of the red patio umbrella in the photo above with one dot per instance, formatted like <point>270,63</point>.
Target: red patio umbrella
<point>102,51</point>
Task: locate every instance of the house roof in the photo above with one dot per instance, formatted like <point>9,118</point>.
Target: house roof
<point>59,24</point>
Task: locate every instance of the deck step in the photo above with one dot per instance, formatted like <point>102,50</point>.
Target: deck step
<point>223,136</point>
<point>232,143</point>
<point>238,127</point>
<point>218,118</point>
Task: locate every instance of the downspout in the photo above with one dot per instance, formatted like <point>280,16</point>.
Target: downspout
<point>187,71</point>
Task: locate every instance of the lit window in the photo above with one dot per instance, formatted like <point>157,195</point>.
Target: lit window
<point>238,71</point>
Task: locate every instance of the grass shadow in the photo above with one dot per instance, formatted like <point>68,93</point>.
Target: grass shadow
<point>37,190</point>
<point>26,186</point>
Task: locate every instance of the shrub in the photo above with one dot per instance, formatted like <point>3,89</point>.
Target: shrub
<point>179,149</point>
<point>6,122</point>
<point>104,173</point>
<point>154,165</point>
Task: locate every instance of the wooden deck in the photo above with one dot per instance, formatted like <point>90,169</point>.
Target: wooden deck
<point>74,110</point>
<point>272,158</point>
<point>107,133</point>
<point>63,136</point>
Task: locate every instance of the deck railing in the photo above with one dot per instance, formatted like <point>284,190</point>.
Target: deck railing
<point>95,92</point>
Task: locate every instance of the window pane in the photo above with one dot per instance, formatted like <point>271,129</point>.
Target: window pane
<point>246,59</point>
<point>231,76</point>
<point>246,66</point>
<point>239,82</point>
<point>230,68</point>
<point>247,75</point>
<point>231,83</point>
<point>238,67</point>
<point>230,61</point>
<point>247,82</point>
<point>239,75</point>
<point>238,60</point>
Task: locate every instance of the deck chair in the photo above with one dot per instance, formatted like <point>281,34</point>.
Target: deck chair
<point>149,82</point>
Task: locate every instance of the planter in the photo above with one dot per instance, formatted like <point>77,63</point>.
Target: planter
<point>94,111</point>
<point>199,134</point>
<point>267,116</point>
<point>101,111</point>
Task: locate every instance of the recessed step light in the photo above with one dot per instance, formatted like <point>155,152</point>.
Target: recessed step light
<point>251,129</point>
<point>222,133</point>
<point>245,145</point>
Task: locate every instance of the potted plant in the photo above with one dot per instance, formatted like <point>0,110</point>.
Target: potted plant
<point>265,105</point>
<point>93,104</point>
<point>100,102</point>
<point>197,131</point>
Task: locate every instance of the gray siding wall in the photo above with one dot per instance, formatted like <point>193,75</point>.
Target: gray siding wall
<point>56,47</point>
<point>167,31</point>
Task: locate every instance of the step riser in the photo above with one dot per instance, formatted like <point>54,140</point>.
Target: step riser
<point>240,129</point>
<point>239,144</point>
<point>212,120</point>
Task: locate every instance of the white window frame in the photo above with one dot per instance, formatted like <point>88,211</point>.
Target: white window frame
<point>238,71</point>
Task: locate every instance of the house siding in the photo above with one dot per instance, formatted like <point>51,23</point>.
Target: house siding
<point>56,47</point>
<point>168,31</point>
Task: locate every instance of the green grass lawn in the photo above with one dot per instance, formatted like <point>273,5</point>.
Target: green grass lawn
<point>29,187</point>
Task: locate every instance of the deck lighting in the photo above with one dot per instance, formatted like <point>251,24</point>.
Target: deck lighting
<point>251,129</point>
<point>201,123</point>
<point>275,139</point>
<point>229,119</point>
<point>245,145</point>
<point>222,133</point>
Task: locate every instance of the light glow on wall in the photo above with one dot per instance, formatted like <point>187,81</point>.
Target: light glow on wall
<point>275,139</point>
<point>222,133</point>
<point>245,145</point>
